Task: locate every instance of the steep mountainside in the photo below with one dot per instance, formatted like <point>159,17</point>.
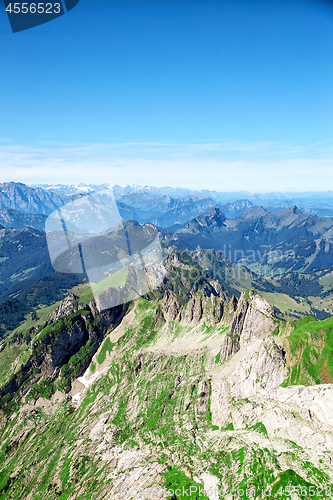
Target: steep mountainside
<point>11,218</point>
<point>186,388</point>
<point>23,255</point>
<point>29,200</point>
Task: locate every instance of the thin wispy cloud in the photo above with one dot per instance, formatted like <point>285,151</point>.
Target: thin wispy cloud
<point>221,166</point>
<point>311,149</point>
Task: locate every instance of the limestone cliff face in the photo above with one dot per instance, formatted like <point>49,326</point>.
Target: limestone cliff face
<point>259,319</point>
<point>203,308</point>
<point>170,306</point>
<point>249,318</point>
<point>208,306</point>
<point>67,306</point>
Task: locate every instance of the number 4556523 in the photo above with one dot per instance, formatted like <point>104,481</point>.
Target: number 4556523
<point>33,8</point>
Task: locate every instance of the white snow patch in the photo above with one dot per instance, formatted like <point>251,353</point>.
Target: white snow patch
<point>210,485</point>
<point>87,380</point>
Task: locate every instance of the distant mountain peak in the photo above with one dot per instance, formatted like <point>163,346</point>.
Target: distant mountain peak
<point>214,217</point>
<point>293,210</point>
<point>240,203</point>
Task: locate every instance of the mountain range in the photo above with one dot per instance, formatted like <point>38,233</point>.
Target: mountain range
<point>22,206</point>
<point>264,241</point>
<point>43,199</point>
<point>315,203</point>
<point>29,200</point>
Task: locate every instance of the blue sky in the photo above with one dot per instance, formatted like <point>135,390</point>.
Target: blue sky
<point>212,94</point>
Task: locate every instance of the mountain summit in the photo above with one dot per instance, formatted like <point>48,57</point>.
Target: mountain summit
<point>213,220</point>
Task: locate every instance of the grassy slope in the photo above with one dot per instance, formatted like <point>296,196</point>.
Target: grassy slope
<point>311,352</point>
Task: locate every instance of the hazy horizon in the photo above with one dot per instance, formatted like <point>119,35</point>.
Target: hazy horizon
<point>183,188</point>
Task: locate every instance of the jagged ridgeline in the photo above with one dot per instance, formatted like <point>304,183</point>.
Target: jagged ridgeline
<point>190,388</point>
